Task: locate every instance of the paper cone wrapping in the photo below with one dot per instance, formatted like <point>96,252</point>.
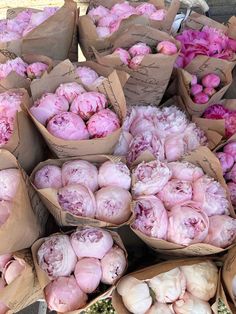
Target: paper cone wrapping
<point>228,273</point>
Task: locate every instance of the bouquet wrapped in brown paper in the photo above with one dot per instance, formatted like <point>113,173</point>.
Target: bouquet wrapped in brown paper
<point>88,36</point>
<point>83,283</point>
<point>109,92</point>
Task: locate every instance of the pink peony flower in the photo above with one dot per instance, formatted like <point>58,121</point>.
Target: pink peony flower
<point>149,178</point>
<point>77,200</point>
<point>9,183</point>
<point>194,80</point>
<point>122,146</point>
<point>114,26</point>
<point>230,124</point>
<point>183,170</point>
<point>167,48</point>
<point>63,295</point>
<point>215,112</point>
<point>9,36</point>
<point>113,204</point>
<point>6,129</point>
<point>232,191</point>
<point>12,270</point>
<point>121,8</point>
<point>91,242</point>
<point>70,91</point>
<point>146,9</point>
<point>86,104</point>
<point>88,273</point>
<point>5,211</point>
<point>189,304</point>
<point>211,80</point>
<point>135,62</point>
<point>98,12</point>
<point>80,172</point>
<point>123,55</point>
<point>226,161</point>
<point>68,126</point>
<point>201,98</point>
<point>103,31</point>
<point>230,148</point>
<point>196,89</point>
<point>107,20</point>
<point>56,256</point>
<point>4,259</point>
<point>211,196</point>
<point>48,176</point>
<point>139,49</point>
<point>114,174</point>
<point>194,137</point>
<point>36,69</point>
<point>159,15</point>
<point>3,307</point>
<point>141,124</point>
<point>209,91</point>
<point>113,265</point>
<point>17,65</point>
<point>231,175</point>
<point>103,123</point>
<point>188,224</point>
<point>87,75</point>
<point>150,217</point>
<point>48,106</point>
<point>175,147</point>
<point>222,231</point>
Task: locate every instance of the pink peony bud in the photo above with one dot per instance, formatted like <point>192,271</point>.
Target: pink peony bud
<point>48,106</point>
<point>183,170</point>
<point>167,48</point>
<point>91,242</point>
<point>107,20</point>
<point>135,62</point>
<point>88,273</point>
<point>121,8</point>
<point>175,147</point>
<point>85,105</point>
<point>215,112</point>
<point>231,175</point>
<point>103,31</point>
<point>201,98</point>
<point>139,49</point>
<point>230,148</point>
<point>63,295</point>
<point>150,177</point>
<point>48,176</point>
<point>151,217</point>
<point>211,80</point>
<point>232,192</point>
<point>123,55</point>
<point>70,90</point>
<point>210,91</point>
<point>226,161</point>
<point>9,183</point>
<point>3,307</point>
<point>146,9</point>
<point>98,12</point>
<point>103,123</point>
<point>113,204</point>
<point>4,259</point>
<point>159,15</point>
<point>87,75</point>
<point>77,200</point>
<point>12,270</point>
<point>196,89</point>
<point>194,80</point>
<point>188,224</point>
<point>36,69</point>
<point>5,211</point>
<point>68,126</point>
<point>114,174</point>
<point>113,265</point>
<point>211,196</point>
<point>80,172</point>
<point>230,124</point>
<point>190,304</point>
<point>56,256</point>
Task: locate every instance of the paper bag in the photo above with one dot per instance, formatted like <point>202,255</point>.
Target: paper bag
<point>87,30</point>
<point>228,273</point>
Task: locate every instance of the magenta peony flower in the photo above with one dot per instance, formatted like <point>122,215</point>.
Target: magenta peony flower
<point>12,270</point>
<point>196,89</point>
<point>230,148</point>
<point>175,147</point>
<point>215,112</point>
<point>201,98</point>
<point>36,69</point>
<point>232,192</point>
<point>150,217</point>
<point>48,176</point>
<point>70,91</point>
<point>135,62</point>
<point>230,124</point>
<point>5,211</point>
<point>167,48</point>
<point>9,183</point>
<point>87,75</point>
<point>4,259</point>
<point>146,9</point>
<point>211,80</point>
<point>183,170</point>
<point>209,91</point>
<point>226,161</point>
<point>231,175</point>
<point>123,55</point>
<point>189,304</point>
<point>103,31</point>
<point>68,126</point>
<point>98,12</point>
<point>139,49</point>
<point>159,15</point>
<point>91,242</point>
<point>121,8</point>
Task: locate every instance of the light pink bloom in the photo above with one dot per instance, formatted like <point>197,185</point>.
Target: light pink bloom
<point>103,31</point>
<point>4,259</point>
<point>194,137</point>
<point>36,69</point>
<point>6,129</point>
<point>88,273</point>
<point>175,147</point>
<point>114,174</point>
<point>17,65</point>
<point>230,124</point>
<point>68,126</point>
<point>160,308</point>
<point>48,106</point>
<point>230,148</point>
<point>56,256</point>
<point>12,270</point>
<point>122,146</point>
<point>9,183</point>
<point>159,15</point>
<point>232,191</point>
<point>167,48</point>
<point>135,62</point>
<point>141,124</point>
<point>10,103</point>
<point>231,175</point>
<point>139,49</point>
<point>123,55</point>
<point>70,90</point>
<point>103,123</point>
<point>146,9</point>
<point>122,8</point>
<point>226,161</point>
<point>80,172</point>
<point>188,224</point>
<point>86,104</point>
<point>210,91</point>
<point>77,200</point>
<point>216,111</point>
<point>150,177</point>
<point>91,242</point>
<point>211,196</point>
<point>107,20</point>
<point>113,204</point>
<point>201,98</point>
<point>211,80</point>
<point>5,211</point>
<point>3,307</point>
<point>63,295</point>
<point>183,170</point>
<point>98,12</point>
<point>196,89</point>
<point>113,265</point>
<point>49,176</point>
<point>151,217</point>
<point>194,80</point>
<point>9,36</point>
<point>222,231</point>
<point>87,75</point>
<point>190,304</point>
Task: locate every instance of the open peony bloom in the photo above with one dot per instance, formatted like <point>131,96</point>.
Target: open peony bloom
<point>230,148</point>
<point>149,178</point>
<point>201,279</point>
<point>48,106</point>
<point>167,47</point>
<point>139,49</point>
<point>36,69</point>
<point>114,174</point>
<point>48,176</point>
<point>70,90</point>
<point>88,273</point>
<point>169,286</point>
<point>91,242</point>
<point>103,123</point>
<point>226,161</point>
<point>215,112</point>
<point>190,304</point>
<point>12,270</point>
<point>232,191</point>
<point>188,224</point>
<point>222,231</point>
<point>87,75</point>
<point>194,137</point>
<point>86,104</point>
<point>78,200</point>
<point>185,171</point>
<point>123,55</point>
<point>9,183</point>
<point>113,204</point>
<point>80,172</point>
<point>64,294</point>
<point>175,147</point>
<point>196,89</point>
<point>160,308</point>
<point>3,307</point>
<point>5,211</point>
<point>6,129</point>
<point>211,80</point>
<point>113,265</point>
<point>211,196</point>
<point>146,9</point>
<point>150,217</point>
<point>68,126</point>
<point>56,256</point>
<point>98,12</point>
<point>4,259</point>
<point>17,65</point>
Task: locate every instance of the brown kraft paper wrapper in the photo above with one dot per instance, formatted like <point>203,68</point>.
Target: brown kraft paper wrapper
<point>148,82</point>
<point>87,30</point>
<point>27,219</point>
<point>52,38</point>
<point>204,158</point>
<point>110,87</point>
<point>44,280</point>
<point>49,195</point>
<point>228,273</point>
<point>25,289</point>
